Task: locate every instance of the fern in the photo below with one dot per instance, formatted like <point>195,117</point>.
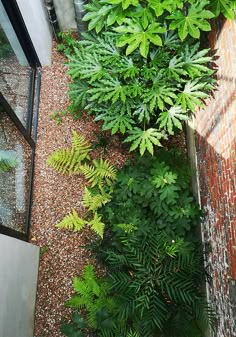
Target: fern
<point>92,295</point>
<point>97,225</point>
<point>69,160</point>
<point>72,221</point>
<point>93,202</point>
<point>101,171</point>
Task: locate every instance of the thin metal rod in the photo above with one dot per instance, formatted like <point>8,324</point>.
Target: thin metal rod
<point>16,121</point>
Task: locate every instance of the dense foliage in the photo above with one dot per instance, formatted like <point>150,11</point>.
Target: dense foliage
<point>142,72</point>
<point>154,264</point>
<point>144,100</point>
<point>154,192</point>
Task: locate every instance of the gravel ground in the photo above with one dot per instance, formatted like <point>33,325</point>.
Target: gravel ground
<point>54,196</point>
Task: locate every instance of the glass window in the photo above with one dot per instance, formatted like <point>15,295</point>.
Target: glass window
<point>14,69</point>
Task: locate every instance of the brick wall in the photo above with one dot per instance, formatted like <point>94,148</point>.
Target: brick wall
<point>215,127</point>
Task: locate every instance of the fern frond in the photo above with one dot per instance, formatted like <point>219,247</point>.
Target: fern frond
<point>72,221</point>
<point>97,225</point>
<point>101,171</point>
<point>69,160</point>
<point>81,145</point>
<point>65,160</point>
<point>93,202</point>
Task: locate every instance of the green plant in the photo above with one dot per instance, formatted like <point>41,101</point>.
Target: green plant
<point>92,294</point>
<point>157,281</point>
<point>5,49</point>
<point>146,100</point>
<point>68,42</point>
<point>69,160</point>
<point>139,23</point>
<point>43,250</point>
<point>8,161</point>
<point>100,174</point>
<point>154,192</point>
<point>74,329</point>
<point>58,116</point>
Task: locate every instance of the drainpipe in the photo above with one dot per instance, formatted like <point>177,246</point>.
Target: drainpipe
<point>79,14</point>
<point>52,16</point>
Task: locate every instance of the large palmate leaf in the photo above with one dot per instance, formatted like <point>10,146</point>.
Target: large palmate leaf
<point>108,89</point>
<point>136,36</point>
<point>124,3</point>
<point>144,139</point>
<point>195,61</point>
<point>227,7</point>
<point>94,16</point>
<point>86,66</point>
<point>192,95</point>
<point>159,6</point>
<point>116,123</point>
<point>193,22</point>
<point>159,94</point>
<point>172,119</point>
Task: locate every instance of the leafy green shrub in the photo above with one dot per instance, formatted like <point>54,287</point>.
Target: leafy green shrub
<point>139,24</point>
<point>154,192</point>
<point>146,100</point>
<point>74,329</point>
<point>157,279</point>
<point>92,294</point>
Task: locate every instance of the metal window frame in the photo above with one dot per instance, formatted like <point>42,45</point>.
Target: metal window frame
<point>21,31</point>
<point>31,140</point>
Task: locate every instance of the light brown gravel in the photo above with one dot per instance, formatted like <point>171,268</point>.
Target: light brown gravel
<point>54,197</point>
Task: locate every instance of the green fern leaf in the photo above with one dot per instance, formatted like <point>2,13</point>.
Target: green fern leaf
<point>93,202</point>
<point>72,221</point>
<point>81,146</point>
<point>65,160</point>
<point>101,171</point>
<point>69,160</point>
<point>97,225</point>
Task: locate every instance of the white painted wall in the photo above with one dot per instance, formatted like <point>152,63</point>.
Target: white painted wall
<point>19,262</point>
<point>65,14</point>
<point>35,17</point>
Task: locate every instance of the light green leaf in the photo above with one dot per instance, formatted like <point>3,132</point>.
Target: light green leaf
<point>144,139</point>
<point>192,22</point>
<point>172,118</point>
